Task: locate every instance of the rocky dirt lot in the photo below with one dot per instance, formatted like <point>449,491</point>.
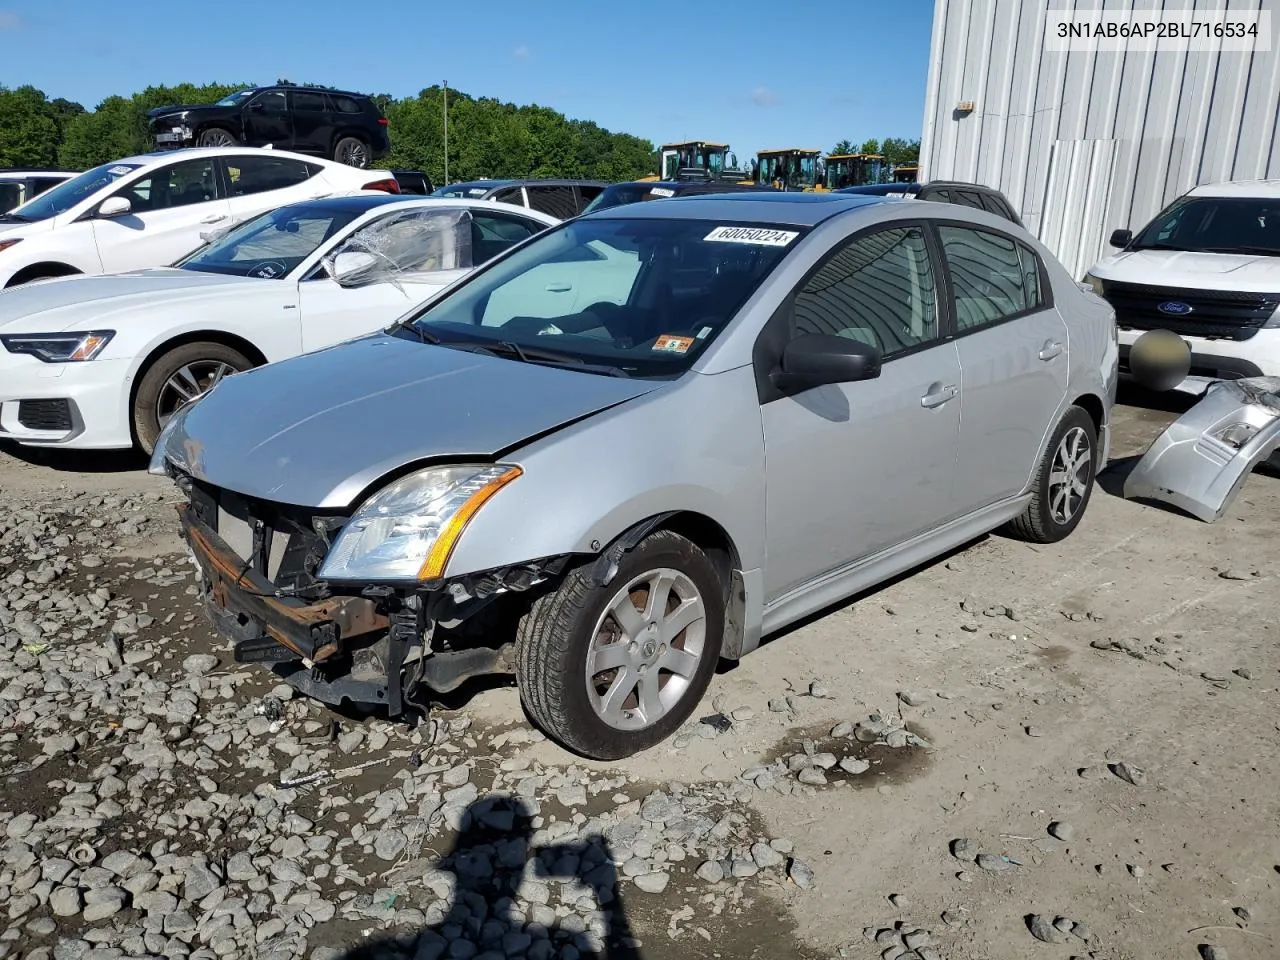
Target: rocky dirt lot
<point>1015,752</point>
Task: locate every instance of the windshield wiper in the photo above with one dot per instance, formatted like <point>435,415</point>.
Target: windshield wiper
<point>423,336</point>
<point>14,218</point>
<point>553,358</point>
<point>1159,246</point>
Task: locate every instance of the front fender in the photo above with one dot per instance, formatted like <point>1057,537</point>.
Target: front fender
<point>696,446</point>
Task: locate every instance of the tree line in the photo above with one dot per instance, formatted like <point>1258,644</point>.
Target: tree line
<point>893,149</point>
<point>487,137</point>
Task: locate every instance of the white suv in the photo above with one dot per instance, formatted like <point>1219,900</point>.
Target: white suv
<point>1208,269</point>
<point>148,211</point>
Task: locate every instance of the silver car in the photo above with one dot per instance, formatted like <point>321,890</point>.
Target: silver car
<point>638,443</point>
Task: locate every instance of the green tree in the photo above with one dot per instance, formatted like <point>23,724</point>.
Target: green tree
<point>870,146</point>
<point>30,127</point>
<point>842,148</point>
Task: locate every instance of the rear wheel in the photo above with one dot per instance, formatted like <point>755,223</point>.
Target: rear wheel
<point>352,151</point>
<point>216,137</point>
<point>609,671</point>
<point>178,378</point>
<point>1064,481</point>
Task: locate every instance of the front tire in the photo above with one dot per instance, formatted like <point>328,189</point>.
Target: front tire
<point>1064,481</point>
<point>216,137</point>
<point>178,378</point>
<point>352,151</point>
<point>610,671</point>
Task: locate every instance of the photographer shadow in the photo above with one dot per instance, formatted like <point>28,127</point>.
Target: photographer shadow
<point>491,860</point>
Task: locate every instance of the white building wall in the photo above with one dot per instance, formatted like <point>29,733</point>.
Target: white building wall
<point>1084,142</point>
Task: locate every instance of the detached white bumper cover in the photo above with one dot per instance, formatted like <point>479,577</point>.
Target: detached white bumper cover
<point>1200,462</point>
<point>92,413</point>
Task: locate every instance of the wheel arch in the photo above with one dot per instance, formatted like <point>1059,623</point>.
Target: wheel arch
<point>1092,405</point>
<point>231,340</point>
<point>42,270</point>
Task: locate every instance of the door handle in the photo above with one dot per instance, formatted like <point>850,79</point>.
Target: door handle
<point>214,218</point>
<point>559,286</point>
<point>938,395</point>
<point>1050,350</point>
<point>321,196</point>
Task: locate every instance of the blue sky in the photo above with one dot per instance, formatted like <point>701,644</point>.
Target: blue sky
<point>755,74</point>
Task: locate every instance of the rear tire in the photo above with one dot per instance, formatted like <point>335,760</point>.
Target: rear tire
<point>1064,481</point>
<point>352,151</point>
<point>177,378</point>
<point>609,687</point>
<point>216,137</point>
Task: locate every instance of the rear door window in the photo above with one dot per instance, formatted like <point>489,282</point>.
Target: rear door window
<point>249,175</point>
<point>993,277</point>
<point>558,202</point>
<point>308,102</point>
<point>509,195</point>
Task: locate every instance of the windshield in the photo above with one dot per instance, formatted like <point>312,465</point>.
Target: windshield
<point>621,194</point>
<point>1243,225</point>
<point>272,245</point>
<point>70,192</point>
<point>234,99</point>
<point>638,297</point>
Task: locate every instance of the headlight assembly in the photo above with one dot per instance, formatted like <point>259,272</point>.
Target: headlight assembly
<point>69,347</point>
<point>407,531</point>
<point>1094,282</point>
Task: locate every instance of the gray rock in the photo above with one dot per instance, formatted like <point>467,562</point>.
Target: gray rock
<point>917,939</point>
<point>199,882</point>
<point>992,863</point>
<point>962,848</point>
<point>897,739</point>
<point>1129,773</point>
<point>198,664</point>
<point>911,698</point>
<point>1082,931</point>
<point>1209,951</point>
<point>124,864</point>
<point>20,825</point>
<point>818,690</point>
<point>1062,830</point>
<point>103,903</point>
<point>1041,928</point>
<point>765,856</point>
<point>1242,914</point>
<point>801,874</point>
<point>842,730</point>
<point>855,765</point>
<point>711,872</point>
<point>652,882</point>
<point>1064,924</point>
<point>812,776</point>
<point>389,843</point>
<point>572,794</point>
<point>65,902</point>
<point>240,867</point>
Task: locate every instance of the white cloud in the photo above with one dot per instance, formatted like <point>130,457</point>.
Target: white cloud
<point>521,52</point>
<point>764,97</point>
<point>9,20</point>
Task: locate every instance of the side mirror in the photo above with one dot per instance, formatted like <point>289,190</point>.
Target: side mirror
<point>816,359</point>
<point>1121,238</point>
<point>114,207</point>
<point>350,268</point>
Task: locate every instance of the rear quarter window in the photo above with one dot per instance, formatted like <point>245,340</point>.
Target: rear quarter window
<point>346,104</point>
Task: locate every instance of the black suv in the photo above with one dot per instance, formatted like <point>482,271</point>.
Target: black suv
<point>943,191</point>
<point>342,126</point>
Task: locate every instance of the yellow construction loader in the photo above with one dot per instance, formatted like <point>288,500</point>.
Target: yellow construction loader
<point>791,169</point>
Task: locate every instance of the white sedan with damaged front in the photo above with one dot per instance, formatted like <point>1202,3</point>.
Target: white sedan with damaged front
<point>104,362</point>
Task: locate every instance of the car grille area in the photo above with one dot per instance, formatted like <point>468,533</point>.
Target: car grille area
<point>45,414</point>
<point>1215,314</point>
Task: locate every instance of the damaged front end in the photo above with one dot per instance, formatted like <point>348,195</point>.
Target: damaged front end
<point>1204,457</point>
<point>373,644</point>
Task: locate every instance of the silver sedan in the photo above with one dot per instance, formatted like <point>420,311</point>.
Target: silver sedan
<point>638,443</point>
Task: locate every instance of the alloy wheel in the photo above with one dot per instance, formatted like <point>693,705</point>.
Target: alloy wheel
<point>217,138</point>
<point>1069,475</point>
<point>354,154</point>
<point>187,384</point>
<point>646,649</point>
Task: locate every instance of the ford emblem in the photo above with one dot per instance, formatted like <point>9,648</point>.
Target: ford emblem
<point>1174,308</point>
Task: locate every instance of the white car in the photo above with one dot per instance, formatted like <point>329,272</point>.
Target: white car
<point>103,362</point>
<point>1208,269</point>
<point>148,211</point>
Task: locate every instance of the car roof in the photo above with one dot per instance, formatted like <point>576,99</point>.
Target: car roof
<point>362,203</point>
<point>793,209</point>
<point>157,155</point>
<point>1255,189</point>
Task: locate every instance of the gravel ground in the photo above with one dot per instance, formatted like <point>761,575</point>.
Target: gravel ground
<point>1014,752</point>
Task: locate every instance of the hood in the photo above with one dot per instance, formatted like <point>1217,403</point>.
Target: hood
<point>27,228</point>
<point>1246,273</point>
<point>155,112</point>
<point>50,306</point>
<point>318,429</point>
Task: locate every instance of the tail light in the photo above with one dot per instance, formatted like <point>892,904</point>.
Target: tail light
<point>386,186</point>
<point>383,121</point>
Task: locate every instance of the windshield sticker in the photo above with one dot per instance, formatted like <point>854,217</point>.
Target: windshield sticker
<point>662,192</point>
<point>668,343</point>
<point>476,191</point>
<point>119,171</point>
<point>704,333</point>
<point>757,236</point>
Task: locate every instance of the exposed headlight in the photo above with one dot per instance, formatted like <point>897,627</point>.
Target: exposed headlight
<point>407,531</point>
<point>1235,434</point>
<point>69,347</point>
<point>1094,282</point>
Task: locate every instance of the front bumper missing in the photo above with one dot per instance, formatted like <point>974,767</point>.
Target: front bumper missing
<point>1191,469</point>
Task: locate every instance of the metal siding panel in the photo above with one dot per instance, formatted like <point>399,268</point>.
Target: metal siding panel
<point>1169,121</point>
